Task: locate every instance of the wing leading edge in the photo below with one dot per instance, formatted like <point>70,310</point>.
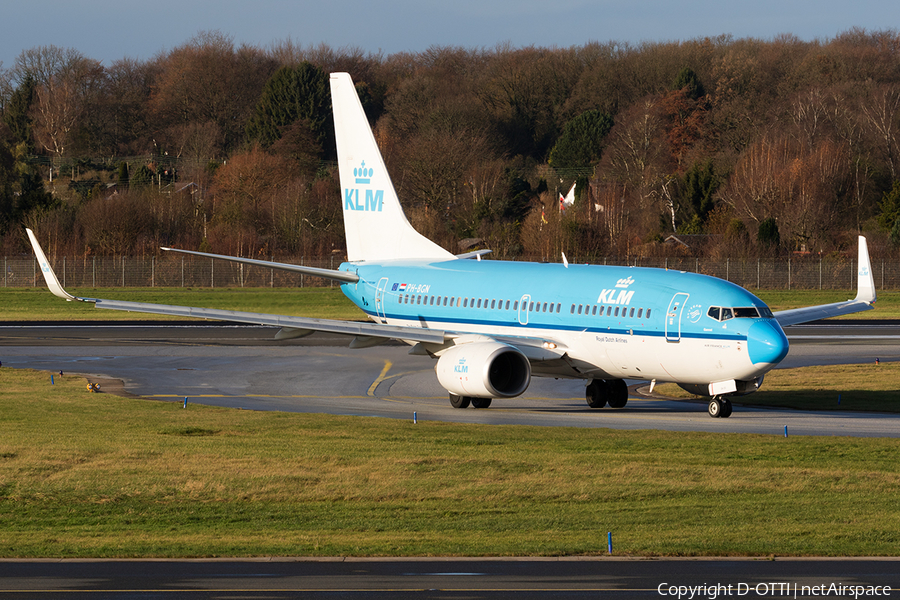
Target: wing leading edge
<point>865,297</point>
<point>366,333</point>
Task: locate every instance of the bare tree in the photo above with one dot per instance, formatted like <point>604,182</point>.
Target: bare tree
<point>66,82</point>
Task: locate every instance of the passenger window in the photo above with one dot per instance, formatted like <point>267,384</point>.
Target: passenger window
<point>573,309</point>
<point>594,310</point>
<point>558,307</point>
<point>648,313</point>
<point>631,313</point>
<point>617,312</point>
<point>608,310</point>
<point>479,303</point>
<point>465,302</point>
<point>507,305</point>
<point>530,306</point>
<point>640,312</point>
<point>516,305</point>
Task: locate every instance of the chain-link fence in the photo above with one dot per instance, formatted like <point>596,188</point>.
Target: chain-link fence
<point>794,273</point>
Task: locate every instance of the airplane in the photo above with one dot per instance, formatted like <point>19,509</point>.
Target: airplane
<point>492,325</point>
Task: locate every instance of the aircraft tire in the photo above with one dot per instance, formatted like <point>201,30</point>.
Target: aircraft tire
<point>715,408</point>
<point>618,393</point>
<point>726,408</point>
<point>595,393</point>
<point>481,402</point>
<point>459,401</point>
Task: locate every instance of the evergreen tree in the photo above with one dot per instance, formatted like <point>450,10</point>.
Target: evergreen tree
<point>16,116</point>
<point>698,190</point>
<point>292,94</point>
<point>582,141</point>
<point>686,78</point>
<point>889,208</point>
<point>7,178</point>
<point>767,234</point>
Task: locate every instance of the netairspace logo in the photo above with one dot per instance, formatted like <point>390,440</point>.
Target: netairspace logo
<point>774,590</point>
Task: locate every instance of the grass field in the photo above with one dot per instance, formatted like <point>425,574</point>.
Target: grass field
<point>25,304</point>
<point>866,387</point>
<point>95,475</point>
<point>38,304</point>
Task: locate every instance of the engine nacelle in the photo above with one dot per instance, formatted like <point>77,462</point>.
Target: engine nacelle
<point>484,370</point>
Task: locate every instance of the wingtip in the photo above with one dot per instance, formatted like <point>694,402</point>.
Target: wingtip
<point>47,271</point>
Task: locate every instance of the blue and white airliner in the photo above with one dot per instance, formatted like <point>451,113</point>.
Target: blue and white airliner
<point>493,325</point>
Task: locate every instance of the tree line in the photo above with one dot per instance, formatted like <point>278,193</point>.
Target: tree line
<point>715,147</point>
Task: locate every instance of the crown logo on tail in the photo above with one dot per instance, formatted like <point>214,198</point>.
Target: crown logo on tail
<point>362,174</point>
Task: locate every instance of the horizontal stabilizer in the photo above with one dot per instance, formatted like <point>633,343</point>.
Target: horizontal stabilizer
<point>342,276</point>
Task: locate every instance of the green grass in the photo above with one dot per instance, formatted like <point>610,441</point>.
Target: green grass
<point>866,387</point>
<point>887,306</point>
<point>95,475</point>
<point>30,304</point>
<point>38,304</point>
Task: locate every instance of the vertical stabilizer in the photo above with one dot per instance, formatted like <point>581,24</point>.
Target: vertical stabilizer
<point>374,223</point>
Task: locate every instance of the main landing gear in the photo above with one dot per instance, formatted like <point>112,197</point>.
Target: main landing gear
<point>600,392</point>
<point>464,401</point>
<point>719,408</point>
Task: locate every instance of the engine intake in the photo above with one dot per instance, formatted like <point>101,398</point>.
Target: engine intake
<point>484,370</point>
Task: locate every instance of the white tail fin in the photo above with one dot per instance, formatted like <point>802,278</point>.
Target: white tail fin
<point>374,223</point>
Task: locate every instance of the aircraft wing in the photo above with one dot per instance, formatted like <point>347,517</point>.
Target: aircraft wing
<point>365,333</point>
<point>865,297</point>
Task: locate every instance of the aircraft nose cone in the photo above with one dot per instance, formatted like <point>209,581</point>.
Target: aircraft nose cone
<point>766,342</point>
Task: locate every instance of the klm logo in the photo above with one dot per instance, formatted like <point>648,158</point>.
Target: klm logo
<point>371,200</point>
<point>615,297</point>
<point>462,367</point>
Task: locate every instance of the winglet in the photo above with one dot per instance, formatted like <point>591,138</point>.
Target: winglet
<point>865,297</point>
<point>47,270</point>
<point>865,290</point>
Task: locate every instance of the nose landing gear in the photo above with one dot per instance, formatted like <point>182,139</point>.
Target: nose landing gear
<point>719,407</point>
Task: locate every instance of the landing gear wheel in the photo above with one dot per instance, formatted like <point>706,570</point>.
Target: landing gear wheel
<point>618,393</point>
<point>481,402</point>
<point>595,393</point>
<point>459,401</point>
<point>715,408</point>
<point>726,408</point>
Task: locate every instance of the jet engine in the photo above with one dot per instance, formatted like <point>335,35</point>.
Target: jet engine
<point>484,370</point>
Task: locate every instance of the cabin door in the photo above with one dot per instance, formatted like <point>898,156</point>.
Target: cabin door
<point>673,317</point>
<point>379,299</point>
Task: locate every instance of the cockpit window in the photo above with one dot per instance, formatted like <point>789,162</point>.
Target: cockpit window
<point>743,312</point>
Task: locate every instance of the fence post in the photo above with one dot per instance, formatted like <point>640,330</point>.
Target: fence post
<point>272,274</point>
<point>152,271</point>
<point>757,273</point>
<point>212,273</point>
<point>6,270</point>
<point>182,271</point>
<point>820,273</point>
<point>64,271</point>
<point>789,274</point>
<point>123,270</point>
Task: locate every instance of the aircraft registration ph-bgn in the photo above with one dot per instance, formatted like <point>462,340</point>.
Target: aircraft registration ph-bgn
<point>493,325</point>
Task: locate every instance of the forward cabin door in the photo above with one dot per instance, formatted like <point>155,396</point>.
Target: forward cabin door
<point>673,317</point>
